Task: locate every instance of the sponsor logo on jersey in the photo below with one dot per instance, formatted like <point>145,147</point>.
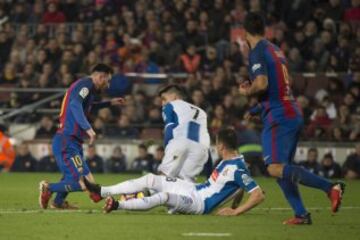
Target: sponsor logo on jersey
<point>84,92</point>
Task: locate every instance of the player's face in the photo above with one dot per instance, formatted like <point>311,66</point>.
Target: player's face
<point>103,80</point>
<point>167,97</point>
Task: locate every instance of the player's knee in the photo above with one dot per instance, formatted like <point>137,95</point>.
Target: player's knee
<point>275,170</point>
<point>150,179</point>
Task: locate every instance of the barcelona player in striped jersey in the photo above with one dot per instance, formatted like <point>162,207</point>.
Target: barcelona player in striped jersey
<point>282,121</point>
<point>73,128</point>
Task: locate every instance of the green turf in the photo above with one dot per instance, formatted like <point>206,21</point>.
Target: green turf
<point>21,219</point>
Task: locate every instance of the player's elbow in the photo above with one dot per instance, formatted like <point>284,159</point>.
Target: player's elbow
<point>261,83</point>
<point>258,196</point>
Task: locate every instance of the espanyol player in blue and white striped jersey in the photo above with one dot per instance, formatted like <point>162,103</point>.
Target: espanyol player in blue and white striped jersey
<point>186,135</point>
<point>229,176</point>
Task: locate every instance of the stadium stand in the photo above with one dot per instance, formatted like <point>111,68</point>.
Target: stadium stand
<point>46,45</point>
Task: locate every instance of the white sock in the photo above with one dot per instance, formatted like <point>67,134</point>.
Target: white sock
<point>131,186</point>
<point>144,203</point>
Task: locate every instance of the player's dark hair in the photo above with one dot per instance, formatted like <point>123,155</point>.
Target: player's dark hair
<point>142,146</point>
<point>101,67</point>
<point>312,150</point>
<point>228,137</point>
<point>254,24</point>
<point>173,88</point>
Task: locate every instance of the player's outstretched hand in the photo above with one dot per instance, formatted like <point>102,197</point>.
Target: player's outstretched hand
<point>227,212</point>
<point>92,135</point>
<point>117,101</point>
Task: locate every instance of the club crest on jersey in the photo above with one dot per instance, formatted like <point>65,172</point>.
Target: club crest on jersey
<point>255,67</point>
<point>246,179</point>
<point>214,175</point>
<point>84,92</point>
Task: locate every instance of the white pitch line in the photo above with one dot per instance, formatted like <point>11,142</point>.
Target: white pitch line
<point>205,234</point>
<point>89,211</point>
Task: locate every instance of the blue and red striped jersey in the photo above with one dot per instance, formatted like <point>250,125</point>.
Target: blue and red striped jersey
<point>277,102</point>
<point>76,105</point>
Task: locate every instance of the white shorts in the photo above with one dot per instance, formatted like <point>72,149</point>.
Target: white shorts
<point>184,159</point>
<point>185,198</point>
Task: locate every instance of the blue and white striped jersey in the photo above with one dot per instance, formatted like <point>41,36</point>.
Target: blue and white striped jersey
<point>185,121</point>
<point>225,180</point>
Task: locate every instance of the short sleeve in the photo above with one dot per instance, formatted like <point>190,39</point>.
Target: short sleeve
<point>82,91</point>
<point>258,63</point>
<point>245,181</point>
<point>169,115</point>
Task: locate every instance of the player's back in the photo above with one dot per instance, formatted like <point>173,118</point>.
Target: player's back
<point>80,92</point>
<point>277,102</point>
<point>225,180</point>
<point>192,122</point>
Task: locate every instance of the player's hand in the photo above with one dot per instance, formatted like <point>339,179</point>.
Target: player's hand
<point>227,212</point>
<point>244,88</point>
<point>92,135</point>
<point>117,101</point>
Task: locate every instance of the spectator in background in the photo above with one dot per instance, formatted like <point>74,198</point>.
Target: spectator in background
<point>154,117</point>
<point>304,104</point>
<point>117,162</point>
<point>198,99</point>
<point>144,161</point>
<point>159,155</point>
<point>351,167</point>
<point>329,168</point>
<point>7,152</point>
<point>218,120</point>
<point>47,163</point>
<point>99,127</point>
<point>169,51</point>
<point>123,129</point>
<point>53,15</point>
<point>190,61</point>
<point>337,134</point>
<point>320,120</point>
<point>209,63</point>
<point>9,75</point>
<point>311,163</point>
<point>24,161</point>
<point>94,161</point>
<point>47,129</point>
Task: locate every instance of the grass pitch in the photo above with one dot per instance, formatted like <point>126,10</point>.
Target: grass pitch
<point>21,218</point>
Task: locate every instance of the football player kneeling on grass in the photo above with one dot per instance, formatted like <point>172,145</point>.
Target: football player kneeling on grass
<point>228,178</point>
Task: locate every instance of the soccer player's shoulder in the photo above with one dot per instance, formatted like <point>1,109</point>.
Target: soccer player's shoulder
<point>82,87</point>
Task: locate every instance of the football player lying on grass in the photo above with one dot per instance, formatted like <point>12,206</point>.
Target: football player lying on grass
<point>180,196</point>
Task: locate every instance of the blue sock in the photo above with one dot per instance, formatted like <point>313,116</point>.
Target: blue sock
<point>65,186</point>
<point>60,197</point>
<point>297,174</point>
<point>291,192</point>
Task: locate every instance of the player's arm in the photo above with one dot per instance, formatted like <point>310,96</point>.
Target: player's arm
<point>259,71</point>
<point>108,103</point>
<point>171,122</point>
<point>259,85</point>
<point>255,198</point>
<point>78,112</point>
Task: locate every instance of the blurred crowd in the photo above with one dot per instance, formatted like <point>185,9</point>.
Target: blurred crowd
<point>325,166</point>
<point>48,44</point>
<point>116,163</point>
